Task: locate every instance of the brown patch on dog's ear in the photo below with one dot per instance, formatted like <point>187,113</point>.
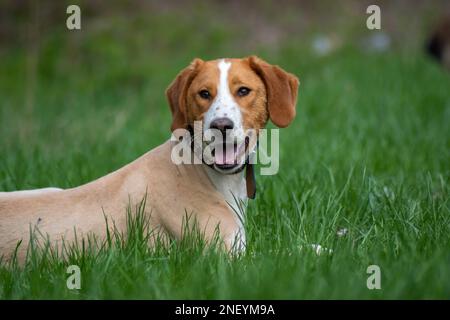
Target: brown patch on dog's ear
<point>281,89</point>
<point>176,94</point>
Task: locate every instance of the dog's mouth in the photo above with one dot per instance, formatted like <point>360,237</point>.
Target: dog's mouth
<point>229,156</point>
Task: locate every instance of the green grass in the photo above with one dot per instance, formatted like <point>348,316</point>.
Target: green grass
<point>369,152</point>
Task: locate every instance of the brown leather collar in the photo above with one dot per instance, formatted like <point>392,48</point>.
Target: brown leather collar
<point>250,180</point>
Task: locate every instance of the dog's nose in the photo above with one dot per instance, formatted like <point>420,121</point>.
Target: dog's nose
<point>222,124</point>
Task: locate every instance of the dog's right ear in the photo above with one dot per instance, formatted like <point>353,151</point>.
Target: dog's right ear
<point>177,91</point>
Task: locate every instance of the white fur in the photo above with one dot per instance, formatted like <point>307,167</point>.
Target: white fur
<point>232,186</point>
<point>234,190</point>
<point>224,105</point>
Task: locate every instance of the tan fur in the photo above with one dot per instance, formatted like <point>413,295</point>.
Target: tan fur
<point>254,105</point>
<point>282,88</point>
<point>171,190</point>
<point>207,78</point>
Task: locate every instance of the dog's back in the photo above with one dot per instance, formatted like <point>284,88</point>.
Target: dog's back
<point>172,191</point>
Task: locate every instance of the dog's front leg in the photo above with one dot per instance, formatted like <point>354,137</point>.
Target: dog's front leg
<point>231,233</point>
<point>222,227</point>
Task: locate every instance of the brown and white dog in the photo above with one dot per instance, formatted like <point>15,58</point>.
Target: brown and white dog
<point>225,94</point>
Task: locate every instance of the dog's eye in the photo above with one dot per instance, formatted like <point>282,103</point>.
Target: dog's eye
<point>205,94</point>
<point>243,91</point>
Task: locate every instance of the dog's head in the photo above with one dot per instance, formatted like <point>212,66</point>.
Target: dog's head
<point>235,97</point>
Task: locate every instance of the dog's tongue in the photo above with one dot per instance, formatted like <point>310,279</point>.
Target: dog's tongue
<point>224,155</point>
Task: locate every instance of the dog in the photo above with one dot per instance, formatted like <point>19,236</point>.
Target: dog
<point>227,95</point>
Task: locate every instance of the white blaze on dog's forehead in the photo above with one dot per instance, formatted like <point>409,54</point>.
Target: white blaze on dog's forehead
<point>224,67</point>
<point>224,105</point>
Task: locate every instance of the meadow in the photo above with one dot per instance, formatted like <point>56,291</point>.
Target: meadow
<point>368,153</point>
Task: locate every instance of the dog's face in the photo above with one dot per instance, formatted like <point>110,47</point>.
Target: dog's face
<point>235,98</point>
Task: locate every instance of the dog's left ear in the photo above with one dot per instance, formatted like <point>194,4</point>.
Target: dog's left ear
<point>177,91</point>
<point>281,89</point>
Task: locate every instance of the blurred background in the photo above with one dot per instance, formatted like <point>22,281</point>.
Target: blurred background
<point>68,94</point>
